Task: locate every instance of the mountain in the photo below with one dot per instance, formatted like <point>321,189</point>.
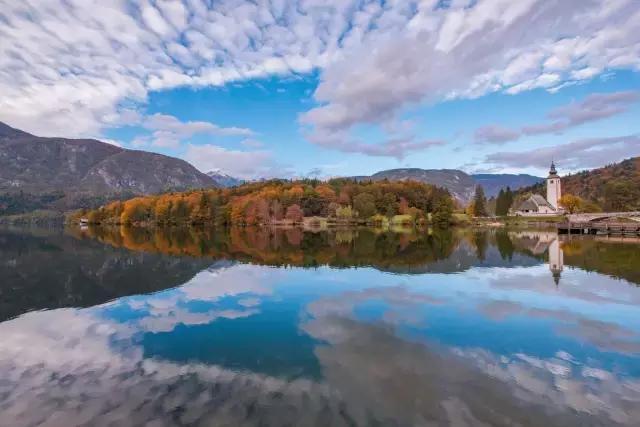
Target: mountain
<point>614,187</point>
<point>224,180</point>
<point>460,184</point>
<point>62,174</point>
<point>492,183</point>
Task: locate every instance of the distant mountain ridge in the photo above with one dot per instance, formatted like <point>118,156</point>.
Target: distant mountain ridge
<point>460,184</point>
<point>223,180</point>
<point>493,183</point>
<point>75,173</point>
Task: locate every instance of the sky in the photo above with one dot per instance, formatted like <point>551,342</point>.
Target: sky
<point>320,88</point>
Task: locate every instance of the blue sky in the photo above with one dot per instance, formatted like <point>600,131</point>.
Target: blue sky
<point>304,88</point>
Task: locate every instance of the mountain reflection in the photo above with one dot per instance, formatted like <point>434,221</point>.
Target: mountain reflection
<point>50,269</point>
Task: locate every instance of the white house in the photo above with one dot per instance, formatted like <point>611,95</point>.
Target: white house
<point>536,205</point>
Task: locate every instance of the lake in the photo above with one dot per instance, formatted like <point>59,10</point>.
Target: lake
<point>274,327</point>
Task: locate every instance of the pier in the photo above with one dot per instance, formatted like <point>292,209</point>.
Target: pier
<point>608,223</point>
<point>608,228</point>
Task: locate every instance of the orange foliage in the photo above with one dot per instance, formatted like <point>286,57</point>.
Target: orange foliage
<point>269,202</point>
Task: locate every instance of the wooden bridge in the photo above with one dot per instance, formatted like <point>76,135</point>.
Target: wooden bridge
<point>602,223</point>
<point>602,216</point>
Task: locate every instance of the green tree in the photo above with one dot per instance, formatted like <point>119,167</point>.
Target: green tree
<point>364,204</point>
<point>501,203</point>
<point>443,212</point>
<point>479,202</point>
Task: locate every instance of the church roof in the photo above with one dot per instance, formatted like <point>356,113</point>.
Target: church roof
<point>533,203</point>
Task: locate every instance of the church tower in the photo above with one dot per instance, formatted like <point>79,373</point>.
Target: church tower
<point>553,187</point>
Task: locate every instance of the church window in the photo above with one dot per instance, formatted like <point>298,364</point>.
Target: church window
<point>551,181</point>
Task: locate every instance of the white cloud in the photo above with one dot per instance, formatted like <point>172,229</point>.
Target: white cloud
<point>465,51</point>
<point>168,131</point>
<point>592,108</point>
<point>252,143</point>
<point>67,67</point>
<point>237,163</point>
<point>495,134</point>
<point>576,155</point>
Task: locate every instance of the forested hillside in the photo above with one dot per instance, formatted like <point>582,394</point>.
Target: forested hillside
<point>61,174</point>
<point>280,201</point>
<point>613,188</point>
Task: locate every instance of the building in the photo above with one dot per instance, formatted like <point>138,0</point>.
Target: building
<point>554,190</point>
<point>536,205</point>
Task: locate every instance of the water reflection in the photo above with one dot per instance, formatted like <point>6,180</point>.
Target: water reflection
<point>229,329</point>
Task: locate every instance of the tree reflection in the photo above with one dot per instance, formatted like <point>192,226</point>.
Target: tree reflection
<point>287,246</point>
<point>402,251</point>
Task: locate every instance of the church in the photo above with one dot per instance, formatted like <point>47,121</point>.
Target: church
<point>536,205</point>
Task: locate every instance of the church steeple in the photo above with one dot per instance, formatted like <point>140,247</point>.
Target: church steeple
<point>554,191</point>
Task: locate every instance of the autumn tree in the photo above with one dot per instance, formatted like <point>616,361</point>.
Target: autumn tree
<point>344,198</point>
<point>326,193</point>
<point>620,195</point>
<point>571,203</point>
<point>137,210</point>
<point>403,206</point>
<point>294,213</point>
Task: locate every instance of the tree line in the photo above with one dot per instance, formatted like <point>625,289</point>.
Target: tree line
<point>507,199</point>
<point>282,201</point>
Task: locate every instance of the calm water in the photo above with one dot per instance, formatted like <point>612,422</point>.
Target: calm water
<point>271,328</point>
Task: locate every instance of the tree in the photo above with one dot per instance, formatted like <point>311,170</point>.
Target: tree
<point>262,211</point>
<point>403,206</point>
<point>294,213</point>
<point>344,198</point>
<point>504,201</point>
<point>443,212</point>
<point>326,192</point>
<point>344,212</point>
<point>509,197</point>
<point>571,203</point>
<point>332,209</point>
<point>479,202</point>
<point>590,207</point>
<point>386,203</point>
<point>312,204</point>
<point>136,210</point>
<point>364,204</point>
<point>620,195</point>
<point>501,203</point>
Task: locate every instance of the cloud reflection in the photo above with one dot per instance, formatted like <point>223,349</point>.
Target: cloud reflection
<point>419,382</point>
